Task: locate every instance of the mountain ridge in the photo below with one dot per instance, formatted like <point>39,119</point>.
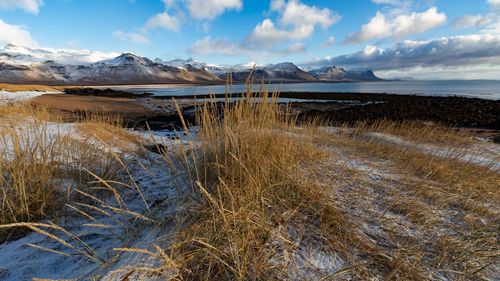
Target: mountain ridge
<point>20,65</point>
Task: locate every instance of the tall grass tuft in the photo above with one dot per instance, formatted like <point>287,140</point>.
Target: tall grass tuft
<point>250,183</point>
<point>42,163</point>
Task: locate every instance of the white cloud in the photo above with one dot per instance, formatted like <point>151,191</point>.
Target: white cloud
<point>297,21</point>
<point>165,21</point>
<point>131,36</point>
<point>493,28</point>
<point>210,9</point>
<point>490,23</point>
<point>304,17</point>
<point>494,2</point>
<point>265,34</point>
<point>370,50</point>
<point>394,8</point>
<point>401,26</point>
<point>295,48</point>
<point>377,27</point>
<point>277,5</point>
<point>15,34</point>
<point>209,46</point>
<point>169,3</point>
<point>415,23</point>
<point>30,6</point>
<point>388,2</point>
<point>472,21</point>
<point>328,43</point>
<point>175,13</point>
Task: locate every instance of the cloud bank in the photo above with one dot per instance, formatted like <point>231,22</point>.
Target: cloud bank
<point>443,53</point>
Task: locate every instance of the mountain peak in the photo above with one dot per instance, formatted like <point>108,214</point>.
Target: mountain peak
<point>127,59</point>
<point>340,74</point>
<point>129,56</point>
<point>284,66</point>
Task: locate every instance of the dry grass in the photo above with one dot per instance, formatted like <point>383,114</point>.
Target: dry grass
<point>108,129</point>
<point>417,131</point>
<point>268,199</point>
<point>18,112</point>
<point>254,199</point>
<point>432,216</point>
<point>43,162</point>
<point>272,200</point>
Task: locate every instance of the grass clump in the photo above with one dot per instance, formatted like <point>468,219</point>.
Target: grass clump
<point>253,195</point>
<point>42,163</point>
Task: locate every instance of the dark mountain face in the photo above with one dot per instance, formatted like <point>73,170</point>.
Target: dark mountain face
<point>338,74</point>
<point>128,68</point>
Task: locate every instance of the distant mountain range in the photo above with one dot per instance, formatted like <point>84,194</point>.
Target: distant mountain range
<point>22,65</point>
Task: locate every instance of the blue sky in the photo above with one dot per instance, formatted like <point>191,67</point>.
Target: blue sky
<point>262,31</point>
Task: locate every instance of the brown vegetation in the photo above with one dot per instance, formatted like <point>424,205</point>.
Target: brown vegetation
<point>44,162</point>
<point>267,198</point>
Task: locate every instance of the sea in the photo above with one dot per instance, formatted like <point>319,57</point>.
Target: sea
<point>485,89</point>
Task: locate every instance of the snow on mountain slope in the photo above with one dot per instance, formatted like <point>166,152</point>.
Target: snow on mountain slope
<point>180,63</point>
<point>286,71</point>
<point>123,69</point>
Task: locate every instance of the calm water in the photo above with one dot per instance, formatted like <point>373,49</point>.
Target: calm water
<point>486,89</point>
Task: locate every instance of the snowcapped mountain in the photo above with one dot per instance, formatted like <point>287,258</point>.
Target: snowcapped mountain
<point>123,69</point>
<point>180,63</point>
<point>24,65</point>
<point>339,74</point>
<point>281,72</point>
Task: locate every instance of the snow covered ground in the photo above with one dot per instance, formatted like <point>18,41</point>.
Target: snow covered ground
<point>6,96</point>
<point>81,241</point>
<point>481,153</point>
<point>95,227</point>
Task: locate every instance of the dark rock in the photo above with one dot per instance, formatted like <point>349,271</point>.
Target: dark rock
<point>109,93</point>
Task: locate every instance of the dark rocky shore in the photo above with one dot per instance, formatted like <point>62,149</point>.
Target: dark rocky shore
<point>450,111</point>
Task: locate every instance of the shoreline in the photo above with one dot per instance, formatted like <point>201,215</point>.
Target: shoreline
<point>158,112</point>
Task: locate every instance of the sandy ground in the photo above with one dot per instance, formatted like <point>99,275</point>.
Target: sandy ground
<point>130,108</point>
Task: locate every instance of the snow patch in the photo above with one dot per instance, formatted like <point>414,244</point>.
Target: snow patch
<point>484,154</point>
<point>6,96</point>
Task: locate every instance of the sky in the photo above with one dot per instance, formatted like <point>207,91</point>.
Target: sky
<point>427,39</point>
